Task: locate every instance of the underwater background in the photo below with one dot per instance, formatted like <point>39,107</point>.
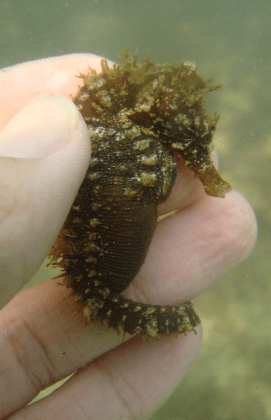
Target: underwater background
<point>231,42</point>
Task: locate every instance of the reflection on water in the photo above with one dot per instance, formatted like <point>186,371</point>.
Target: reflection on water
<point>231,42</point>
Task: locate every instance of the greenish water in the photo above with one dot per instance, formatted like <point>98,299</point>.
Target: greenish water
<point>230,41</point>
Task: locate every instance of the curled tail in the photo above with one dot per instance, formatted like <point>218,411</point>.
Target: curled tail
<point>128,316</point>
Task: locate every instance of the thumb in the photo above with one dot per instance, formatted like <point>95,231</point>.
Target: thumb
<point>44,154</point>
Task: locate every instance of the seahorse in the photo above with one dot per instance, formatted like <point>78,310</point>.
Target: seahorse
<point>138,116</point>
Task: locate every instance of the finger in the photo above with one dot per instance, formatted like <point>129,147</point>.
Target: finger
<point>48,147</point>
<point>53,76</point>
<point>44,338</point>
<point>131,381</point>
<point>193,248</point>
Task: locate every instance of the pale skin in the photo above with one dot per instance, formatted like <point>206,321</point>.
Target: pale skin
<point>45,149</point>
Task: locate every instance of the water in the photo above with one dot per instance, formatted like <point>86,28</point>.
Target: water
<point>230,41</point>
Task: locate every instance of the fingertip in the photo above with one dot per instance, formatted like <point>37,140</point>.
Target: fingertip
<point>245,221</point>
<point>45,125</point>
<point>54,75</point>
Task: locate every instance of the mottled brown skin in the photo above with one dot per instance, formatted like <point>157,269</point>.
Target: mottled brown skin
<point>138,116</point>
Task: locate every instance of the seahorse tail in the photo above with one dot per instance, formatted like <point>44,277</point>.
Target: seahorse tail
<point>149,321</point>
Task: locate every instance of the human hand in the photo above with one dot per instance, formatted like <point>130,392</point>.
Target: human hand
<point>43,337</point>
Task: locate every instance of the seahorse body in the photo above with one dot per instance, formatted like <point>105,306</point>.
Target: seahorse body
<point>137,116</point>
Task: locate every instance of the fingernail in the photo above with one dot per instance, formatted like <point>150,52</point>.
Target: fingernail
<point>45,125</point>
